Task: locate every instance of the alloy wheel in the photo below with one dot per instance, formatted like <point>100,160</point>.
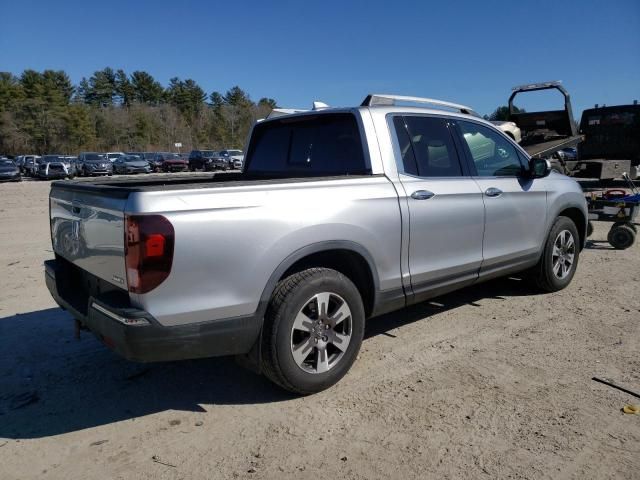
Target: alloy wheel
<point>321,332</point>
<point>563,255</point>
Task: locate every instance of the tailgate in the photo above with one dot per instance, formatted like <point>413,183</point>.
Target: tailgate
<point>87,229</point>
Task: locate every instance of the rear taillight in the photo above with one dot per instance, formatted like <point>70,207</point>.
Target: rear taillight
<point>149,241</point>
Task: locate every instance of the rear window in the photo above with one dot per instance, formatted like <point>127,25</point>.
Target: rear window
<point>321,145</point>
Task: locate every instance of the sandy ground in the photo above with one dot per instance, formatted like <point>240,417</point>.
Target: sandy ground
<point>490,382</point>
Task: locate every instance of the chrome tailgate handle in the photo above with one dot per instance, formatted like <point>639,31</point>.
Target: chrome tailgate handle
<point>422,195</point>
<point>493,192</point>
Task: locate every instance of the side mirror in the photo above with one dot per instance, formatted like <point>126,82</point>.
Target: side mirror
<point>539,167</point>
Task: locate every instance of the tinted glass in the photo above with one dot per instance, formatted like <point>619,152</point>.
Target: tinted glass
<point>208,153</point>
<point>51,158</point>
<point>6,163</point>
<point>326,144</point>
<point>93,156</point>
<point>406,150</point>
<point>493,155</point>
<point>432,148</point>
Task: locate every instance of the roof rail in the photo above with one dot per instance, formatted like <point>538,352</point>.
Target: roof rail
<point>382,99</point>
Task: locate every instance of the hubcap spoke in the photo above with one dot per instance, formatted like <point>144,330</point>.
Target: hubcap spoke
<point>302,322</point>
<point>339,315</point>
<point>322,300</point>
<point>322,360</point>
<point>302,351</point>
<point>570,243</point>
<point>340,340</point>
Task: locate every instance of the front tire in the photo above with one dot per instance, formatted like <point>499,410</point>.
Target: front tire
<point>313,330</point>
<point>559,260</point>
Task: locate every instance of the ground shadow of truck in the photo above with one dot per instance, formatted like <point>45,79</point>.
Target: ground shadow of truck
<point>52,384</point>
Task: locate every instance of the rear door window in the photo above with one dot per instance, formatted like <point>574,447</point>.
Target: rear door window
<point>310,145</point>
<point>427,147</point>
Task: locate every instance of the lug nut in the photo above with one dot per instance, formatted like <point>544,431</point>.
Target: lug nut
<point>325,338</point>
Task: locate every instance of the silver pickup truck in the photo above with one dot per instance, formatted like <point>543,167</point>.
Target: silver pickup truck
<point>339,215</point>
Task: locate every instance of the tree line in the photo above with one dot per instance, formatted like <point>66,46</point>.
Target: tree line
<point>44,112</point>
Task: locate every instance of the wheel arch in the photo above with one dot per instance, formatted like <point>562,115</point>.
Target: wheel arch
<point>577,216</point>
<point>349,258</point>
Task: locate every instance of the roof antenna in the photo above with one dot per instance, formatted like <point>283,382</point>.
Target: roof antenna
<point>319,105</point>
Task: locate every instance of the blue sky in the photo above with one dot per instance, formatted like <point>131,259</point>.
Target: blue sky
<point>470,52</point>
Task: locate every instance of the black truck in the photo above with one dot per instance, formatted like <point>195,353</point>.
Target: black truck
<point>612,134</point>
<point>546,133</point>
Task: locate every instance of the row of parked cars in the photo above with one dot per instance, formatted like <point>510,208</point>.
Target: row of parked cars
<point>89,164</point>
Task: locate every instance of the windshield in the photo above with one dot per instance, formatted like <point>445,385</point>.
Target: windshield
<point>113,155</point>
<point>6,163</point>
<point>171,156</point>
<point>93,157</point>
<point>235,153</point>
<point>208,153</point>
<point>131,158</point>
<point>51,158</point>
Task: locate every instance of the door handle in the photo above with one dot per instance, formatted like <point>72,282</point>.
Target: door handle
<point>493,192</point>
<point>422,195</point>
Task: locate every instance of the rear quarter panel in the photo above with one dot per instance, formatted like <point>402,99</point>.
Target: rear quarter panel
<point>230,240</point>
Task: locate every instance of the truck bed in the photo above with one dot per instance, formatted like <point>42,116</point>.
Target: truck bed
<point>122,187</point>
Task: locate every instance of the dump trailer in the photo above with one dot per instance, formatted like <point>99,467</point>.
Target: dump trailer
<point>545,133</point>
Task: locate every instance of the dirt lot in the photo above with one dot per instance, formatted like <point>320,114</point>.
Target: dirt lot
<point>491,382</point>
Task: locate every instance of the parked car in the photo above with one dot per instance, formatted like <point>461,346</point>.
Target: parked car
<point>113,156</point>
<point>91,164</point>
<point>149,157</point>
<point>52,167</point>
<point>9,171</point>
<point>399,204</point>
<point>30,165</point>
<point>70,162</point>
<point>128,164</point>
<point>569,153</point>
<point>233,157</point>
<point>19,161</point>
<point>206,160</point>
<point>170,162</point>
<point>510,128</point>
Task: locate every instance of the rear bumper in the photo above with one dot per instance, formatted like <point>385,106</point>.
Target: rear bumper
<point>137,336</point>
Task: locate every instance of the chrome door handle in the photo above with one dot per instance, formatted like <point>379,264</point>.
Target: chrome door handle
<point>493,192</point>
<point>422,195</point>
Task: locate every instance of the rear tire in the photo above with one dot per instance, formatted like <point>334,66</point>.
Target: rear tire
<point>621,236</point>
<point>560,256</point>
<point>313,330</point>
